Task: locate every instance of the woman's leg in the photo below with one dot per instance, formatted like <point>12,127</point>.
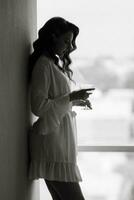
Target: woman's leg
<point>52,191</point>
<point>65,190</point>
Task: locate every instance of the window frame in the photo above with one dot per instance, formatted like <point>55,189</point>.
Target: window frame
<point>99,148</point>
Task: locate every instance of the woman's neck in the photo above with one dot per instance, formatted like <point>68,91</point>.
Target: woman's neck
<point>60,62</point>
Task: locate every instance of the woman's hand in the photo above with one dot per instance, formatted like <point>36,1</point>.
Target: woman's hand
<point>80,94</point>
<point>83,103</point>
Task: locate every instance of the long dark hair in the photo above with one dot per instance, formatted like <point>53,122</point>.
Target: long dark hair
<point>44,44</point>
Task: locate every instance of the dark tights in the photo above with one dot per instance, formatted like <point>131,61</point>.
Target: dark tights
<point>64,190</point>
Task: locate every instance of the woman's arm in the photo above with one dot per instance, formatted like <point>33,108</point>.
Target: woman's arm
<point>41,103</point>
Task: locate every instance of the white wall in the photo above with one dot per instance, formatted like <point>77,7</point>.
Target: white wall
<point>17,31</point>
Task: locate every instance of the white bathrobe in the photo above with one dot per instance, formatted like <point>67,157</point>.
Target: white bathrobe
<point>53,137</point>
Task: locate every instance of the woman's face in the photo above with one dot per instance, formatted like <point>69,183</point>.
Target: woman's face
<point>63,44</point>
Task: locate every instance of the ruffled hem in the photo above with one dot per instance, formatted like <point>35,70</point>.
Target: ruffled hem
<point>59,171</point>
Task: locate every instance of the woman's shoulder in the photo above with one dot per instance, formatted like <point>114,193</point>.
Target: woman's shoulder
<point>42,64</point>
<point>43,60</point>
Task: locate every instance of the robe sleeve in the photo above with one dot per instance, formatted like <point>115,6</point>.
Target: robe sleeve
<point>41,103</point>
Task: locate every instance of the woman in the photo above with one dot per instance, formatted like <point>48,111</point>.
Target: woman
<point>53,147</point>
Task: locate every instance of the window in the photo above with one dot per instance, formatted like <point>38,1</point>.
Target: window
<point>105,59</point>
